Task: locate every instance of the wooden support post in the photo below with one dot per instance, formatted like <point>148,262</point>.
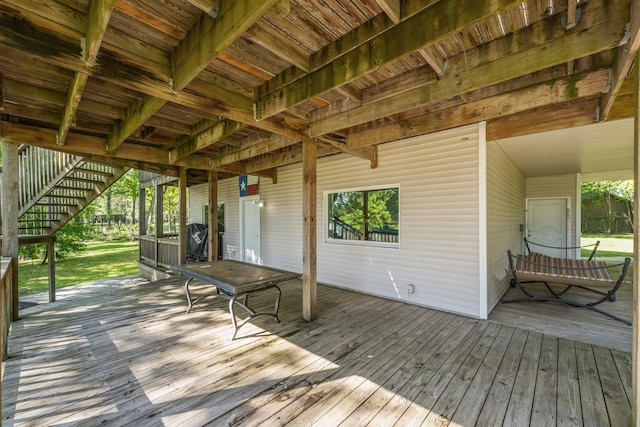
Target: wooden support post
<point>636,248</point>
<point>159,221</point>
<point>142,218</point>
<point>142,211</point>
<point>309,263</point>
<point>51,255</point>
<point>213,216</point>
<point>9,208</point>
<point>182,253</point>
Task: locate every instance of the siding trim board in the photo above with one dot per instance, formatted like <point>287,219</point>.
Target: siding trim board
<point>482,220</point>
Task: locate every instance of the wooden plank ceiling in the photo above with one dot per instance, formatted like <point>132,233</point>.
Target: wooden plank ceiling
<point>235,86</point>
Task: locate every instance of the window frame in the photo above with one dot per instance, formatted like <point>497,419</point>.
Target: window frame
<point>369,243</point>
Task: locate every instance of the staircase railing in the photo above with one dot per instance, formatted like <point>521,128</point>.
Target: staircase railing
<point>39,170</point>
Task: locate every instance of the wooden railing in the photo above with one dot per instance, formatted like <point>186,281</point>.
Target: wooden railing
<point>341,230</point>
<point>161,251</point>
<point>39,169</point>
<point>6,277</point>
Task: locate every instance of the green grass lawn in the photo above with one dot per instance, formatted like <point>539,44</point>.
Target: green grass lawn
<point>99,261</point>
<point>611,245</point>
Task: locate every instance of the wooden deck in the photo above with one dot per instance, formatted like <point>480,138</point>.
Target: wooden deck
<point>565,321</point>
<point>127,354</point>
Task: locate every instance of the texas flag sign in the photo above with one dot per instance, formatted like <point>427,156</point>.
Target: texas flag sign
<point>247,189</point>
<point>244,183</point>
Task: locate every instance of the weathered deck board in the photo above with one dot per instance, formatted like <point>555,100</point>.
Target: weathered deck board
<point>569,411</point>
<point>128,354</point>
<point>566,321</point>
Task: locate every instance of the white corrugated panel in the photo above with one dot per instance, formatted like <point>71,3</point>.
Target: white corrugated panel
<point>439,244</point>
<point>505,213</point>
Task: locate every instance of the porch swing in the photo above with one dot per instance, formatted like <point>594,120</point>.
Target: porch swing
<point>587,274</point>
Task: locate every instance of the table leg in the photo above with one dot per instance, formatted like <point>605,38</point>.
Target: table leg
<point>190,301</point>
<point>233,317</point>
<point>186,289</point>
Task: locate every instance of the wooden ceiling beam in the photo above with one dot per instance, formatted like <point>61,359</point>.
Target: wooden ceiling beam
<point>155,89</point>
<point>76,143</point>
<point>34,92</point>
<point>200,46</point>
<point>133,164</point>
<point>379,51</point>
<point>137,113</point>
<point>210,7</point>
<point>264,146</point>
<point>625,56</point>
<point>509,57</point>
<point>438,64</point>
<point>210,136</point>
<point>282,7</point>
<point>262,35</point>
<point>97,20</point>
<point>391,8</point>
<point>572,8</point>
<point>74,95</point>
<point>563,90</point>
<point>343,45</point>
<point>288,156</point>
<point>544,119</point>
<point>211,36</point>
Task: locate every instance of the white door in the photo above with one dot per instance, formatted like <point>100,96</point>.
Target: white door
<point>250,227</point>
<point>547,224</point>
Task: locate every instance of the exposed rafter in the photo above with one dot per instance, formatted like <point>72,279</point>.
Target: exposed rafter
<point>563,90</point>
<point>180,85</point>
<point>373,54</point>
<point>97,20</point>
<point>208,137</point>
<point>625,57</point>
<point>515,55</point>
<point>210,7</point>
<point>203,43</point>
<point>391,8</point>
<point>261,147</point>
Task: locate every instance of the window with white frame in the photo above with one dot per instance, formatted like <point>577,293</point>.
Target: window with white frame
<point>364,216</point>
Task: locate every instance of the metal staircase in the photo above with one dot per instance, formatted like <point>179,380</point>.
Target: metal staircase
<point>54,187</point>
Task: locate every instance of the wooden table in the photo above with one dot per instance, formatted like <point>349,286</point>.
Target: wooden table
<point>235,280</point>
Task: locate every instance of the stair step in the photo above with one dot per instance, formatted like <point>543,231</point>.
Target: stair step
<point>51,197</point>
<point>55,204</point>
<point>92,172</point>
<point>74,178</point>
<point>55,196</point>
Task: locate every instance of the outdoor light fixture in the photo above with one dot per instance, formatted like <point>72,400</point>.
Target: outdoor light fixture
<point>260,203</point>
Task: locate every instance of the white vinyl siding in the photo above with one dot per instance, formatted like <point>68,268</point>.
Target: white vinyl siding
<point>505,214</point>
<point>439,249</point>
<point>228,194</point>
<point>439,243</point>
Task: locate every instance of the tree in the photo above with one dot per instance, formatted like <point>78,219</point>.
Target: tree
<point>126,189</point>
<point>367,211</point>
<point>602,193</point>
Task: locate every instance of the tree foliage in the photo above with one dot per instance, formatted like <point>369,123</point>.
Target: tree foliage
<point>351,207</point>
<point>603,194</point>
